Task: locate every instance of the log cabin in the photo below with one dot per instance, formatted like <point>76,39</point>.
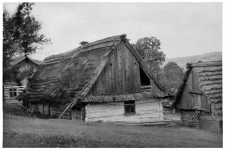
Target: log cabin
<point>199,97</point>
<point>102,81</point>
<point>22,64</point>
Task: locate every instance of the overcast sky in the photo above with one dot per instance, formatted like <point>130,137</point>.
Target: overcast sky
<point>184,29</point>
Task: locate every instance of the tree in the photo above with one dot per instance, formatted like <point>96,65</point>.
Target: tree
<point>20,35</point>
<point>9,46</point>
<point>148,48</point>
<point>27,28</point>
<point>172,76</point>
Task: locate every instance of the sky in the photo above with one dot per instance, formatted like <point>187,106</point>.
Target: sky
<point>184,29</point>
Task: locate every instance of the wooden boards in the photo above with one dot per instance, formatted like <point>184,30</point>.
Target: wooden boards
<point>148,110</point>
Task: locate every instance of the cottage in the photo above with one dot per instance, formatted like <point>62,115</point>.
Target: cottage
<point>25,68</point>
<point>200,96</point>
<point>104,80</point>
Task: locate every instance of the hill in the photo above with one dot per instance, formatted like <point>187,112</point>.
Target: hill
<point>182,61</point>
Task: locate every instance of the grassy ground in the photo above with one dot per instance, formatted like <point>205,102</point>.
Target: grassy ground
<point>20,130</point>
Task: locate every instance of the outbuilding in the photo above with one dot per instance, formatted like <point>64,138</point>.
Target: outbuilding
<point>105,80</point>
<point>200,96</point>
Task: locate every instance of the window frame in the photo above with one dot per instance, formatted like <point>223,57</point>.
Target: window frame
<point>13,92</point>
<point>129,105</point>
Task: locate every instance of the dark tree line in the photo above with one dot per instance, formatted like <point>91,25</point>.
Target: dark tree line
<point>20,35</point>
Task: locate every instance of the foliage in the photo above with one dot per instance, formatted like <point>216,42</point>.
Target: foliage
<point>26,29</point>
<point>148,48</point>
<point>20,36</point>
<point>171,76</point>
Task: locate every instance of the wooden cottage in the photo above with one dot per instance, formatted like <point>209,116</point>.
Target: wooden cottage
<point>104,80</point>
<point>200,96</point>
<point>26,67</point>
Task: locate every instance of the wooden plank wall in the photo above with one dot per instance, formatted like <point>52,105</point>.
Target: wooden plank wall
<point>50,111</point>
<point>208,122</point>
<point>186,117</point>
<point>170,114</point>
<point>205,121</point>
<point>146,111</point>
<point>192,84</point>
<point>121,74</point>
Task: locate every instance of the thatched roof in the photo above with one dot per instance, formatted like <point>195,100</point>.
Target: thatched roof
<point>21,58</point>
<point>66,78</point>
<point>209,76</point>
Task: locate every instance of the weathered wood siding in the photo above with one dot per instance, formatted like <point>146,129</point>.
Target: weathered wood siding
<point>186,117</point>
<point>121,74</point>
<point>187,100</point>
<point>149,110</point>
<point>49,111</point>
<point>208,122</point>
<point>171,114</point>
<point>204,121</point>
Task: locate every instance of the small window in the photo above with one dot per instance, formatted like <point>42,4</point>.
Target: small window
<point>13,92</point>
<point>196,101</point>
<point>129,107</point>
<point>144,78</point>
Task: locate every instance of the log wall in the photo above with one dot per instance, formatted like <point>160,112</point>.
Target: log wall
<point>146,111</point>
<point>171,114</point>
<point>208,122</point>
<point>50,111</point>
<point>204,121</point>
<point>186,117</point>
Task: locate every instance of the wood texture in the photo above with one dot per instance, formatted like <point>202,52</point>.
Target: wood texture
<point>146,111</point>
<point>121,74</point>
<point>187,118</point>
<point>187,100</point>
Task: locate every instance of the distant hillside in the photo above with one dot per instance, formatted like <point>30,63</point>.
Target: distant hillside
<point>182,61</point>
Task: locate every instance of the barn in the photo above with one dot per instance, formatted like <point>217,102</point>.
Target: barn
<point>102,81</point>
<point>200,96</point>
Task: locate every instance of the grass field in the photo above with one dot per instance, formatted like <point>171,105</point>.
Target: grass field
<point>21,130</point>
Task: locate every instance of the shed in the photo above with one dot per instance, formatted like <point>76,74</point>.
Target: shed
<point>26,67</point>
<point>200,96</point>
<point>25,64</point>
<point>105,80</point>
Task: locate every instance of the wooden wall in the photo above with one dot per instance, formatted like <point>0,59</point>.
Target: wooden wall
<point>187,100</point>
<point>186,117</point>
<point>149,110</point>
<point>121,74</point>
<point>208,122</point>
<point>171,114</point>
<point>204,121</point>
<point>49,111</point>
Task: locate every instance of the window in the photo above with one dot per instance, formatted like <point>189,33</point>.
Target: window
<point>144,78</point>
<point>196,101</point>
<point>13,92</point>
<point>129,107</point>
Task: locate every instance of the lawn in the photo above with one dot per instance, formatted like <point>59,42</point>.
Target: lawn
<point>21,130</point>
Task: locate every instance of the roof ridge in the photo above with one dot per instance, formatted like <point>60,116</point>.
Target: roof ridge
<point>204,64</point>
<point>53,58</point>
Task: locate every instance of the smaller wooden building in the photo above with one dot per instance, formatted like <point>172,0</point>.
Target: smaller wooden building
<point>26,68</point>
<point>200,96</point>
